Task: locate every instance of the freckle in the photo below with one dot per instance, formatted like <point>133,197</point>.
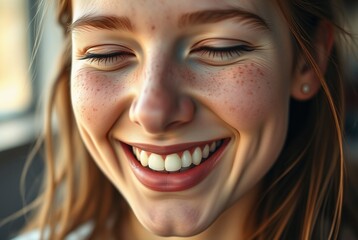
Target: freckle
<point>232,109</point>
<point>95,109</point>
<point>259,71</point>
<point>153,28</point>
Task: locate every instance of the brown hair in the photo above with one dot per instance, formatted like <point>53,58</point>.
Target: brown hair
<point>303,191</point>
<point>309,172</point>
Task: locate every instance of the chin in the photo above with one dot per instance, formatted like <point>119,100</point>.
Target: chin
<point>177,231</point>
<point>176,224</point>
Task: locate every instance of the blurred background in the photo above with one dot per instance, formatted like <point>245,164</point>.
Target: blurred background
<point>27,65</point>
<point>24,79</point>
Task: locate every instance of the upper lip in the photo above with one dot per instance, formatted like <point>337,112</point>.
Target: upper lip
<point>165,150</point>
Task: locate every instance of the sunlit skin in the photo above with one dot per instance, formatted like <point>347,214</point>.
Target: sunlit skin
<point>167,89</point>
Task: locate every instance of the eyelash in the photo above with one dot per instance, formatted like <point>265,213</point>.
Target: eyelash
<point>223,52</point>
<point>106,57</point>
<point>213,52</point>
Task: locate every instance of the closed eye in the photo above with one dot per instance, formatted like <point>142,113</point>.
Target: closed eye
<point>223,51</point>
<point>108,57</point>
<point>218,56</point>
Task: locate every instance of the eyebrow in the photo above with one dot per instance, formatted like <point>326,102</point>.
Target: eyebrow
<point>101,22</point>
<point>213,16</point>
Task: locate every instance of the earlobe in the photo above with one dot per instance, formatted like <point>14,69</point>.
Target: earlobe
<point>305,85</point>
<point>306,82</point>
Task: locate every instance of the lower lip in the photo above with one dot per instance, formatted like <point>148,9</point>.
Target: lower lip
<point>173,182</point>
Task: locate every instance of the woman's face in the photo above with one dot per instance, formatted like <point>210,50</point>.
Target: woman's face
<point>182,104</point>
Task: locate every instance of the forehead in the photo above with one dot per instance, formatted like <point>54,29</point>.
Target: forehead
<point>158,10</point>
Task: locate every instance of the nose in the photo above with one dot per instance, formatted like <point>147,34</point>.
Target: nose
<point>160,105</point>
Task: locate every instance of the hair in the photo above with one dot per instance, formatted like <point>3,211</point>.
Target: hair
<point>302,193</point>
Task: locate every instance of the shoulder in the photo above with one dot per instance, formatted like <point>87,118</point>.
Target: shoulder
<point>29,235</point>
<point>80,233</point>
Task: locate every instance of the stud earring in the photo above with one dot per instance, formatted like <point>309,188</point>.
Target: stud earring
<point>305,88</point>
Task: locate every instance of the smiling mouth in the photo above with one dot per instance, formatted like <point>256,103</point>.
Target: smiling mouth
<point>176,161</point>
<point>174,168</point>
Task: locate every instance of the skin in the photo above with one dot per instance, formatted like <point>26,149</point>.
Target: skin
<point>164,93</point>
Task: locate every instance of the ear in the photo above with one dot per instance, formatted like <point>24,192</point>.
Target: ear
<point>305,83</point>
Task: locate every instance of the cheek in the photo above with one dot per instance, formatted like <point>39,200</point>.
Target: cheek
<point>242,95</point>
<point>93,96</point>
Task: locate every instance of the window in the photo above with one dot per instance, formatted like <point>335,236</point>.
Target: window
<point>22,87</point>
<point>15,85</point>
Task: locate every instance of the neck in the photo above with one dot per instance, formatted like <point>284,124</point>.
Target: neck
<point>230,225</point>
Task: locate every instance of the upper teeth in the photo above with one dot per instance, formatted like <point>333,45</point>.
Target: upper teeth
<point>175,161</point>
